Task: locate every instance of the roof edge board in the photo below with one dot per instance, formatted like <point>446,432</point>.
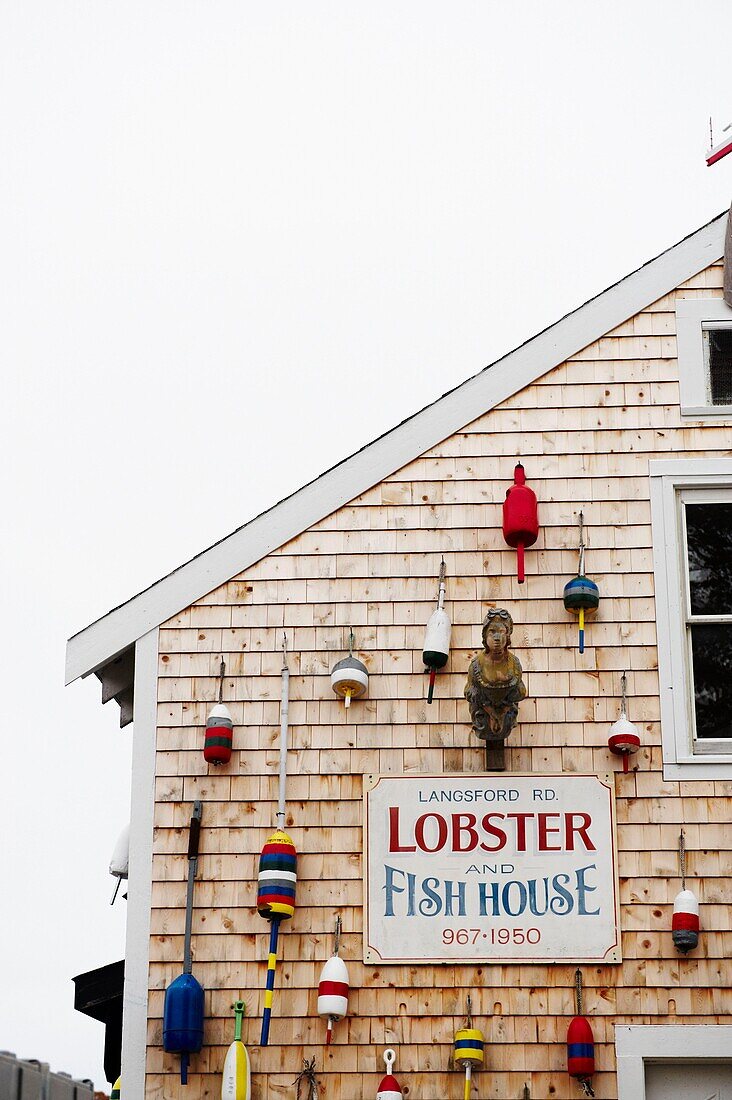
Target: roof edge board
<point>92,646</point>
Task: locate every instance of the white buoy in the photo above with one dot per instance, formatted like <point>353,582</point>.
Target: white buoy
<point>349,678</point>
<point>333,987</point>
<point>119,864</point>
<point>436,648</point>
<point>333,993</point>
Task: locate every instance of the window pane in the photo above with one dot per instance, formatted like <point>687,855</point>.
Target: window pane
<point>718,344</point>
<point>711,648</point>
<point>709,546</point>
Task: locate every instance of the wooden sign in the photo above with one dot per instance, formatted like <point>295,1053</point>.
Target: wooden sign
<point>471,868</point>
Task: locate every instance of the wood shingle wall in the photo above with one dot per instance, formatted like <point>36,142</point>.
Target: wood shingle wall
<point>586,432</point>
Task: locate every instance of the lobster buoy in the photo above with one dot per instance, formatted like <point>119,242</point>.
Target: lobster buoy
<point>277,878</point>
<point>624,739</point>
<point>333,993</point>
<point>275,902</point>
<point>580,1049</point>
<point>520,517</point>
<point>685,922</point>
<point>219,735</point>
<point>219,729</point>
<point>468,1053</point>
<point>116,1090</point>
<point>349,678</point>
<point>389,1089</point>
<point>437,637</point>
<point>236,1083</point>
<point>119,864</point>
<point>183,1004</point>
<point>183,1019</point>
<point>581,594</point>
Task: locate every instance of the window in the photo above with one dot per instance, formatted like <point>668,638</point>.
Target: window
<point>691,511</point>
<point>703,1050</point>
<point>717,341</point>
<point>707,522</point>
<point>704,339</point>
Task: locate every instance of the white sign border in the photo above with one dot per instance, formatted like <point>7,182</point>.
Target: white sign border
<point>371,956</point>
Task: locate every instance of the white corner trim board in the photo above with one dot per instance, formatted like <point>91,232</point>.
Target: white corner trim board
<point>691,316</point>
<point>634,1046</point>
<point>667,478</point>
<point>98,643</point>
<point>137,949</point>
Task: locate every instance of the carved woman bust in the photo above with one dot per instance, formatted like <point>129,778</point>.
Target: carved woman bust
<point>495,686</point>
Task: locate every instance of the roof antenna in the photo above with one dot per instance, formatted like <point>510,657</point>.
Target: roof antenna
<point>716,152</point>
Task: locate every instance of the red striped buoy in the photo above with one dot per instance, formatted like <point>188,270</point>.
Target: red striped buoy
<point>623,740</point>
<point>580,1043</point>
<point>333,988</point>
<point>333,993</point>
<point>580,1048</point>
<point>685,922</point>
<point>219,729</point>
<point>389,1089</point>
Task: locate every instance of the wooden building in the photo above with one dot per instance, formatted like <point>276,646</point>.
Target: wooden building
<point>623,410</point>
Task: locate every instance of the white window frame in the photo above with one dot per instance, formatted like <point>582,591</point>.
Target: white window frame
<point>671,481</point>
<point>693,315</point>
<point>634,1046</point>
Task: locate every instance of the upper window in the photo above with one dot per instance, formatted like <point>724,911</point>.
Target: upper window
<point>718,362</point>
<point>704,340</point>
<point>708,615</point>
<point>691,510</point>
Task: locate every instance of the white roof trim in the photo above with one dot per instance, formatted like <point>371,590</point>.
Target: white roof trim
<point>98,643</point>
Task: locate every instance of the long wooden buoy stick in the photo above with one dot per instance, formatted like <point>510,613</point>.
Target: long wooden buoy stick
<point>284,713</point>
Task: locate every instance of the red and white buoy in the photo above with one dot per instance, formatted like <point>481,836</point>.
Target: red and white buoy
<point>624,739</point>
<point>389,1089</point>
<point>580,1043</point>
<point>685,920</point>
<point>219,728</point>
<point>333,988</point>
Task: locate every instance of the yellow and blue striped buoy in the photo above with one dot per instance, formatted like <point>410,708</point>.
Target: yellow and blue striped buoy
<point>581,594</point>
<point>237,1079</point>
<point>116,1089</point>
<point>468,1053</point>
<point>275,902</point>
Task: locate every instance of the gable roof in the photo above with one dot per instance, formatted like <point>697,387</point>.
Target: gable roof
<point>102,641</point>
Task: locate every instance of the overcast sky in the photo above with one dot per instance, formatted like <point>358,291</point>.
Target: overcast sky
<point>237,242</point>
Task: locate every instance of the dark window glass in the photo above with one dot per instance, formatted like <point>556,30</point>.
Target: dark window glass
<point>709,545</point>
<point>719,359</point>
<point>711,646</point>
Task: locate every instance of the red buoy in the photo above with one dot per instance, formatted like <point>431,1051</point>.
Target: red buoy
<point>580,1043</point>
<point>520,517</point>
<point>580,1049</point>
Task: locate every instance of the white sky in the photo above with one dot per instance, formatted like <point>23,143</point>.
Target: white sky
<point>238,242</point>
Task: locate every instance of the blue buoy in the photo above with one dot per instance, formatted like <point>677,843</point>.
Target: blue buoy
<point>183,1008</point>
<point>183,1017</point>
